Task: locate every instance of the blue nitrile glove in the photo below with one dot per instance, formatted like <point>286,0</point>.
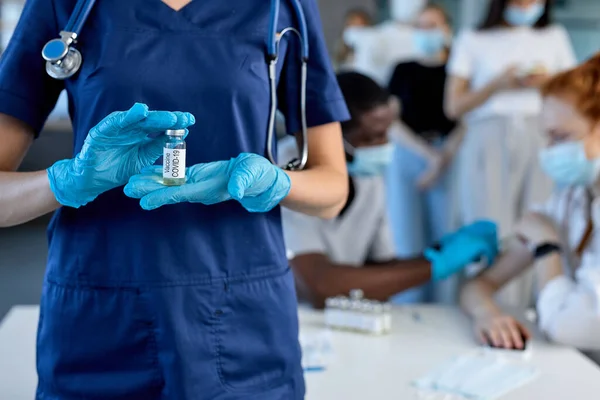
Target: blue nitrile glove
<point>249,178</point>
<point>484,229</point>
<point>114,150</point>
<point>457,251</point>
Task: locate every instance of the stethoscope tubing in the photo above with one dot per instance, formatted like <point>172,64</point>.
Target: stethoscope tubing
<point>82,11</point>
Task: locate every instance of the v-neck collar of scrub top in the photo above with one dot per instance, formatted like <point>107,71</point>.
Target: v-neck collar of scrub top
<point>173,8</point>
<point>209,17</point>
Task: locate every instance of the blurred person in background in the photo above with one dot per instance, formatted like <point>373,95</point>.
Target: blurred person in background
<point>379,48</point>
<point>356,250</point>
<point>344,56</point>
<point>418,182</point>
<point>494,77</point>
<point>568,278</point>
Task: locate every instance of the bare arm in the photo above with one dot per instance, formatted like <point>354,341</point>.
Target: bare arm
<point>454,141</point>
<point>318,278</point>
<point>23,195</point>
<point>460,98</point>
<point>321,189</point>
<point>404,135</point>
<point>476,297</point>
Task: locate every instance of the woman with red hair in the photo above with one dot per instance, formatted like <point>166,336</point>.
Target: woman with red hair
<point>559,239</point>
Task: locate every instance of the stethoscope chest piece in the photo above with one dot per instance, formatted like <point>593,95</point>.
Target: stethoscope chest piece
<point>62,60</point>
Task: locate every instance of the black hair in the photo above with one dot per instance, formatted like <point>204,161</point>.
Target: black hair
<point>362,94</point>
<point>495,15</point>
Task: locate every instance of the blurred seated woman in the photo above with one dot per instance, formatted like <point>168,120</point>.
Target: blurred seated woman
<point>559,239</point>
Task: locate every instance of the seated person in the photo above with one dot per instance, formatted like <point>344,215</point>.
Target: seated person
<point>356,250</point>
<point>560,239</point>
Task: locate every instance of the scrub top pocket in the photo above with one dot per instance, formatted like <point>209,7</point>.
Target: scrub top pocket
<point>98,341</point>
<point>256,337</point>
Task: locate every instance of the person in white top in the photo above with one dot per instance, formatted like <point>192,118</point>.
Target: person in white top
<point>378,49</point>
<point>344,54</point>
<point>495,73</point>
<point>560,238</point>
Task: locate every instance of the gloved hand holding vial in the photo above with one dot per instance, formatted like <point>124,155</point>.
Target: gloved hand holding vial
<point>248,178</point>
<point>118,147</point>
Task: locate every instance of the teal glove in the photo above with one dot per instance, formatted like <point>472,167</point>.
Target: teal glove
<point>114,150</point>
<point>486,230</point>
<point>460,249</point>
<point>249,178</point>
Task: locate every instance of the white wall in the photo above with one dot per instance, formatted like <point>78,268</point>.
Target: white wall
<point>582,20</point>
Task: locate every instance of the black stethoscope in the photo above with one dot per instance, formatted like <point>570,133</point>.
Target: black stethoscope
<point>63,61</point>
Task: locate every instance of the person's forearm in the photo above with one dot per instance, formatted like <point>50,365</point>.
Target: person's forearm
<point>378,282</point>
<point>404,135</point>
<point>477,296</point>
<point>469,100</point>
<point>24,196</point>
<point>319,191</point>
<point>454,140</point>
<point>477,299</point>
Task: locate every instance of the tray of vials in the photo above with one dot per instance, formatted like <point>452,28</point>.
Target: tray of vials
<point>358,314</point>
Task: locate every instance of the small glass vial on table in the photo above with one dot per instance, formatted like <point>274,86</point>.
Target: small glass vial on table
<point>174,158</point>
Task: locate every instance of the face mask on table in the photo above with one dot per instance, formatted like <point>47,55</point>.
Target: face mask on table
<point>567,164</point>
<point>429,42</point>
<point>477,376</point>
<point>370,161</point>
<point>518,16</point>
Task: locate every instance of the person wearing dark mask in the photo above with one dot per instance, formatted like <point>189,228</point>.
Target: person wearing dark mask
<point>356,250</point>
<point>419,180</point>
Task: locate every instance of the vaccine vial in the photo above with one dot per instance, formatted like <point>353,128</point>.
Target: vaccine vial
<point>174,158</point>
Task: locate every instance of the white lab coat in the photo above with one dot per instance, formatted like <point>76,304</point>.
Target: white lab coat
<point>569,306</point>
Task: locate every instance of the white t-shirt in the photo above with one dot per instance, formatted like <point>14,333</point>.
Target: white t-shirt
<point>378,49</point>
<point>361,234</point>
<point>481,56</point>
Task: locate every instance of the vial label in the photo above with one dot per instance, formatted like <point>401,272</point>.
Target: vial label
<point>174,166</point>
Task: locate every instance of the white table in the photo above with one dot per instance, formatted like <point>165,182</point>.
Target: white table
<point>363,367</point>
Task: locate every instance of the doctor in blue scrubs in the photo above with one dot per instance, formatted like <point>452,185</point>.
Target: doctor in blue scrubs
<point>187,301</point>
<point>153,292</point>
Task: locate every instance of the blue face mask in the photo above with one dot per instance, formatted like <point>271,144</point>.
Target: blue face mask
<point>518,16</point>
<point>370,161</point>
<point>567,164</point>
<point>429,41</point>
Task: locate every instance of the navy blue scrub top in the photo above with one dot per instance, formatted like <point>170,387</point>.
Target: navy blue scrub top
<point>207,59</point>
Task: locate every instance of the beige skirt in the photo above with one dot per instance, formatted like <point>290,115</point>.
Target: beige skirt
<point>499,178</point>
